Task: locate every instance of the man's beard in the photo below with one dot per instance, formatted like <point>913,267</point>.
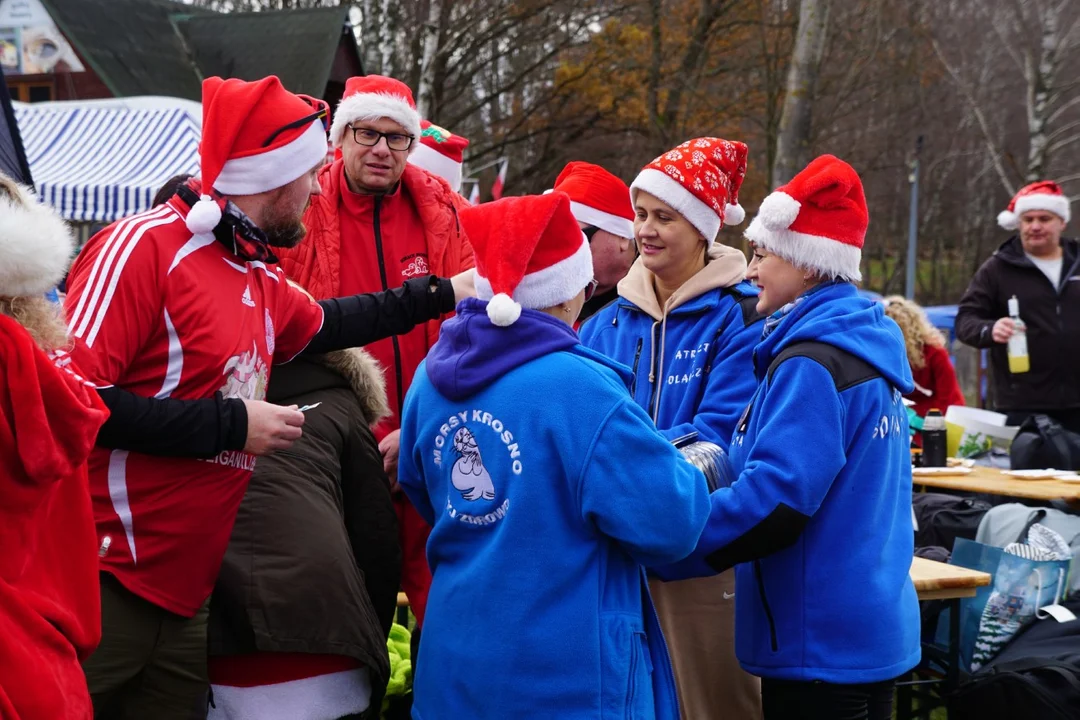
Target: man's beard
<point>284,232</point>
<point>285,235</point>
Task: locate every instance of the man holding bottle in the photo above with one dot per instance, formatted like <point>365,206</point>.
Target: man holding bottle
<point>1030,285</point>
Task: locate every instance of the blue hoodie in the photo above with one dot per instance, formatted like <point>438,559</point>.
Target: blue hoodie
<point>692,359</point>
<point>820,515</point>
<point>547,489</point>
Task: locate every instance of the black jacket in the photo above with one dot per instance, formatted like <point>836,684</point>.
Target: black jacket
<point>1052,316</point>
<point>313,564</point>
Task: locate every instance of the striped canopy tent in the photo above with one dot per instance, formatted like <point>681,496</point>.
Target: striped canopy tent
<point>100,160</point>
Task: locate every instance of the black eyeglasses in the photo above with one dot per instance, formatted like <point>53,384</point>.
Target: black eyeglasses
<point>590,289</point>
<point>322,112</point>
<point>370,138</point>
<point>588,231</point>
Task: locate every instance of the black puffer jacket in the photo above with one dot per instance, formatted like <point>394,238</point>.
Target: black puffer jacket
<point>313,561</point>
<point>1052,316</point>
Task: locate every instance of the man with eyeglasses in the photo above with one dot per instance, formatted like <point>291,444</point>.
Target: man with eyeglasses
<point>601,204</point>
<point>378,222</point>
<point>176,316</point>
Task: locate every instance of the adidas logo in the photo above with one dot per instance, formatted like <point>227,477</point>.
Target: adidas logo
<point>246,298</point>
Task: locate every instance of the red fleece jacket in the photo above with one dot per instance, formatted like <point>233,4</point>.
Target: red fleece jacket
<point>50,604</point>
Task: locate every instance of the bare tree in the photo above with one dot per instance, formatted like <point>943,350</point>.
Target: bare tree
<point>1037,41</point>
<point>793,141</point>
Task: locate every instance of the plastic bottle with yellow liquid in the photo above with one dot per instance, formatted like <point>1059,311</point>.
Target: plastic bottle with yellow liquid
<point>1018,350</point>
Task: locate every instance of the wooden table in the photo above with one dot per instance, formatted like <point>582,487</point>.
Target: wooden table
<point>938,581</point>
<point>993,482</point>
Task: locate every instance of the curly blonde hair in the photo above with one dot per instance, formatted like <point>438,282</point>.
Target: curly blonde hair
<point>918,332</point>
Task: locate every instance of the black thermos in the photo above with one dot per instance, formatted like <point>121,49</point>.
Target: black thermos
<point>934,440</point>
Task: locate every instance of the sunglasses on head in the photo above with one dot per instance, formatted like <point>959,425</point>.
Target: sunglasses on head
<point>321,112</point>
<point>590,289</point>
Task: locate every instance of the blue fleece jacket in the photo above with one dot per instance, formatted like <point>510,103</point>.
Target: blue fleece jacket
<point>548,489</point>
<point>820,515</point>
<point>692,370</point>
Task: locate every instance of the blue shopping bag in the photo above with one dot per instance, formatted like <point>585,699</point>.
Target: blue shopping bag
<point>1018,588</point>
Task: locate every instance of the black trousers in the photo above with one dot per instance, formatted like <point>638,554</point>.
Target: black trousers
<point>793,700</point>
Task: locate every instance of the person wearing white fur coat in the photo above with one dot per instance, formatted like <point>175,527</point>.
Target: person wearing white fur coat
<point>50,616</point>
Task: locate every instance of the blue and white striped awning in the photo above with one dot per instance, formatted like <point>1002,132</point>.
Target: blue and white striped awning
<point>102,160</point>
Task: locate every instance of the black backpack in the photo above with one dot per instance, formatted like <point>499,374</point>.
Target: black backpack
<point>1036,677</point>
<point>943,518</point>
<point>1041,442</point>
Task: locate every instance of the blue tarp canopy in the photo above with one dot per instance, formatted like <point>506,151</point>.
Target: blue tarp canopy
<point>100,160</point>
<point>944,317</point>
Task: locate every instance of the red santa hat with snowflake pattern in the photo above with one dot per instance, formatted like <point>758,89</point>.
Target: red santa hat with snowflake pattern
<point>529,253</point>
<point>817,221</point>
<point>441,153</point>
<point>1042,195</point>
<point>374,97</point>
<point>699,179</point>
<point>597,198</point>
<point>256,137</point>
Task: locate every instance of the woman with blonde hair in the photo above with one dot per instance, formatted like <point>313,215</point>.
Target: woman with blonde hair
<point>936,386</point>
<point>50,616</point>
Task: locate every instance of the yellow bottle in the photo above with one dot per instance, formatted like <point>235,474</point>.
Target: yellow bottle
<point>1018,352</point>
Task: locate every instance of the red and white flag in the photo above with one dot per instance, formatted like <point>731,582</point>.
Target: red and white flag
<point>500,180</point>
<point>474,194</point>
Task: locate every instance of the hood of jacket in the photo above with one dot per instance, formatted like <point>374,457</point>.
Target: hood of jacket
<point>353,369</point>
<point>472,352</point>
<point>726,267</point>
<point>49,417</point>
<point>835,314</point>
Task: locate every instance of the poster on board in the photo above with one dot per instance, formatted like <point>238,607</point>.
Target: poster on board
<point>30,43</point>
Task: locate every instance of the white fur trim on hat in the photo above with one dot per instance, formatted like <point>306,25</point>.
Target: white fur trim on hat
<point>275,168</point>
<point>670,191</point>
<point>437,164</point>
<point>374,106</point>
<point>547,288</point>
<point>778,210</point>
<point>829,257</point>
<point>1057,204</point>
<point>35,245</point>
<point>618,226</point>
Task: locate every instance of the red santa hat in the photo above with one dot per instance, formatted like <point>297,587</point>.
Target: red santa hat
<point>700,180</point>
<point>597,198</point>
<point>374,97</point>
<point>440,152</point>
<point>529,252</point>
<point>256,137</point>
<point>1042,195</point>
<point>35,243</point>
<point>817,221</point>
